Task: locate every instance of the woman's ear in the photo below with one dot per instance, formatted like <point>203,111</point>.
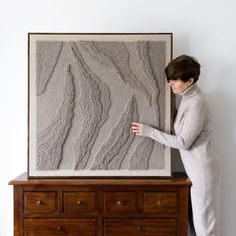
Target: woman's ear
<point>191,81</point>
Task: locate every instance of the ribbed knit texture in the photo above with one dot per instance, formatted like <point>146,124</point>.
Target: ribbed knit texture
<point>193,139</point>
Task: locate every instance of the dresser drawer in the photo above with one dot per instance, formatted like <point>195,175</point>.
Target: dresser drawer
<point>39,202</point>
<point>54,227</point>
<point>138,227</point>
<point>160,202</point>
<point>80,201</point>
<point>120,202</point>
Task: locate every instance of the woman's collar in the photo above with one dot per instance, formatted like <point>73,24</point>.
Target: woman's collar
<point>191,91</point>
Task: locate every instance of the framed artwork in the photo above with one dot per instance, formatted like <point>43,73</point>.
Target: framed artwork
<point>84,92</point>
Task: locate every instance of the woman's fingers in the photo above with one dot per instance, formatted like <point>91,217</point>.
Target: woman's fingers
<point>135,123</point>
<point>136,128</point>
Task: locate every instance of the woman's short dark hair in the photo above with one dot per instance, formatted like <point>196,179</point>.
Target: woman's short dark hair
<point>184,68</point>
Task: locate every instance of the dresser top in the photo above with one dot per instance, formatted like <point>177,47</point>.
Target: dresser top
<point>178,178</point>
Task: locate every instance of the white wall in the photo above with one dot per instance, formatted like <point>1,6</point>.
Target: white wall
<point>203,28</point>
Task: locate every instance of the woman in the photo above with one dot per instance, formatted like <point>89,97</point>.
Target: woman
<point>193,139</point>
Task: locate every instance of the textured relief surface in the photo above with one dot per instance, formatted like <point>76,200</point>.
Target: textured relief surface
<point>47,57</point>
<point>100,57</point>
<point>112,153</point>
<point>94,105</point>
<point>50,141</point>
<point>87,94</point>
<point>140,158</point>
<point>157,60</point>
<point>143,50</point>
<point>115,55</point>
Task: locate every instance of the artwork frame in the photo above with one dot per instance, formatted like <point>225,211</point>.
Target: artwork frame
<point>98,57</point>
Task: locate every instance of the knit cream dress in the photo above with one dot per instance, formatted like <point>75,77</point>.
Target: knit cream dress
<point>193,139</point>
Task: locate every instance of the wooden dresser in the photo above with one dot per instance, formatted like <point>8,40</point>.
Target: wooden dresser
<point>101,207</point>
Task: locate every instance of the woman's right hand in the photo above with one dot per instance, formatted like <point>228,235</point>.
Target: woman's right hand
<point>137,128</point>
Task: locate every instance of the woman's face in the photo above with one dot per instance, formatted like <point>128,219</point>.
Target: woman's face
<point>178,86</point>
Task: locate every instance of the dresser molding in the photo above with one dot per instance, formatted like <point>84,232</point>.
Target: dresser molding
<point>101,207</point>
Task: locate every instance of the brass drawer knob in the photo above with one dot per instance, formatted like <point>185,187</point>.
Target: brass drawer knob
<point>39,202</point>
<point>79,202</point>
<point>59,228</point>
<point>161,203</point>
<point>140,229</point>
<point>119,203</point>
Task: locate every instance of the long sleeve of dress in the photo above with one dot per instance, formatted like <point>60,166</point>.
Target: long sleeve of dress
<point>193,122</point>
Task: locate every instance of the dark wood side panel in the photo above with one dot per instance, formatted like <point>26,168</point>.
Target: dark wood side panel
<point>183,219</point>
<point>18,210</point>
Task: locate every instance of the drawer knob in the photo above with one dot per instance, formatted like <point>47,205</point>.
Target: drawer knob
<point>140,229</point>
<point>161,203</point>
<point>39,202</point>
<point>119,203</point>
<point>79,202</point>
<point>59,228</point>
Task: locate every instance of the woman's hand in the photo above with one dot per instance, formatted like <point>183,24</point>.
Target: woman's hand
<point>137,128</point>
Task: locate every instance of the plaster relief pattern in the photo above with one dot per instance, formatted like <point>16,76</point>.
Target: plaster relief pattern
<point>111,154</point>
<point>47,57</point>
<point>50,141</point>
<point>116,56</point>
<point>140,158</point>
<point>84,96</point>
<point>144,57</point>
<point>94,106</point>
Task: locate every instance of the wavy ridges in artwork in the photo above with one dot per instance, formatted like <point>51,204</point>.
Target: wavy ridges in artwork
<point>90,48</point>
<point>142,48</point>
<point>48,54</point>
<point>94,103</point>
<point>141,156</point>
<point>50,141</point>
<point>115,56</point>
<point>112,153</point>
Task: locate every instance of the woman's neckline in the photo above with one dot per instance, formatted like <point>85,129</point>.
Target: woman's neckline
<point>191,91</point>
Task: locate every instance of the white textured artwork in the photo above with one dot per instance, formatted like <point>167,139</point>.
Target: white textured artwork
<point>84,92</point>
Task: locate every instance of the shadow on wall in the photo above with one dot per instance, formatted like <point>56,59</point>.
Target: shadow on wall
<point>176,162</point>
